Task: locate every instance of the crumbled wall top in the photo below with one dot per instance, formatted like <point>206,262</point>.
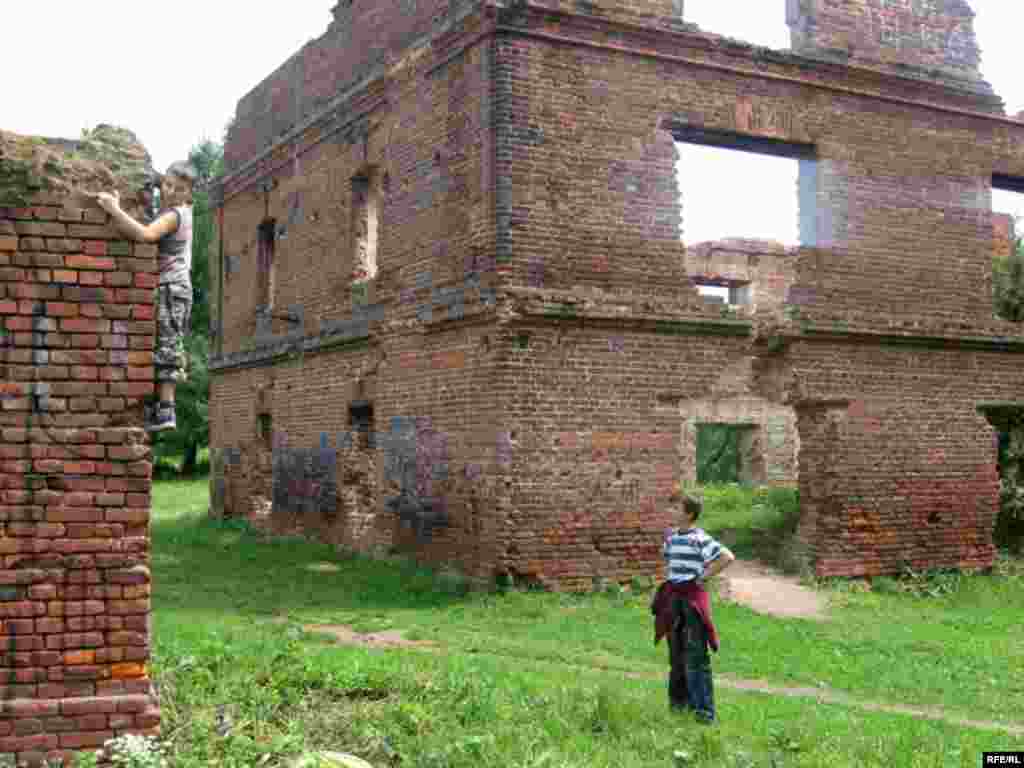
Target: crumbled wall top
<point>104,159</point>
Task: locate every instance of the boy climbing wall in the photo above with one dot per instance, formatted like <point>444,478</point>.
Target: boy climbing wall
<point>172,231</point>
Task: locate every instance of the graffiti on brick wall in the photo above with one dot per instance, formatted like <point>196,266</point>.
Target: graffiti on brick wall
<point>416,462</point>
<point>431,302</point>
<point>305,480</point>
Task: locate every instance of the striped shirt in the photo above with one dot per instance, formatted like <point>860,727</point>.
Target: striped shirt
<point>688,553</point>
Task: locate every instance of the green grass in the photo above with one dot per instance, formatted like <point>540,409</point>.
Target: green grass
<point>503,691</point>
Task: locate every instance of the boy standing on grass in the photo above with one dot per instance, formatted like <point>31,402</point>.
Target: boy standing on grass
<point>172,231</point>
<point>682,608</point>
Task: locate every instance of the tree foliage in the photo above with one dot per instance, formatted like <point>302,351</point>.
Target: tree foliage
<point>1008,284</point>
<point>717,453</point>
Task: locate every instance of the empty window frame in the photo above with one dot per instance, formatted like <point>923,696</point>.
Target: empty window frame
<point>361,421</point>
<point>732,293</point>
<point>757,23</point>
<point>740,187</point>
<point>366,200</point>
<point>1007,252</point>
<point>266,429</point>
<point>265,266</point>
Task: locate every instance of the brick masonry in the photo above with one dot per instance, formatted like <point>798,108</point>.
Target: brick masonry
<point>76,304</point>
<point>532,345</point>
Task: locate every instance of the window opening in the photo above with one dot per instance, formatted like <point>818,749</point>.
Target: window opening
<point>717,453</point>
<point>360,419</point>
<point>265,262</point>
<point>1007,248</point>
<point>266,429</point>
<point>742,194</point>
<point>733,187</point>
<point>732,293</point>
<point>365,225</point>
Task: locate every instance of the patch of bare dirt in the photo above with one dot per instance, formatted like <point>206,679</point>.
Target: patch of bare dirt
<point>767,591</point>
<point>345,635</point>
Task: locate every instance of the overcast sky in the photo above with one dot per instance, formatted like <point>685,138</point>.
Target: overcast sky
<point>71,65</point>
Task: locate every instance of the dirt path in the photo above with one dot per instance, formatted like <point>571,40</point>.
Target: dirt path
<point>830,696</point>
<point>768,591</point>
<point>393,639</point>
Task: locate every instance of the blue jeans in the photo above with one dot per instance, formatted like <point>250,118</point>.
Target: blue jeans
<point>690,684</point>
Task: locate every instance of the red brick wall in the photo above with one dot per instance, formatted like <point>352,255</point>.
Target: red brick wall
<point>76,306</point>
<point>904,241</point>
<point>430,145</point>
<point>430,148</point>
<point>932,35</point>
<point>561,395</point>
<point>443,375</point>
<point>365,34</point>
<point>907,472</point>
<point>594,439</point>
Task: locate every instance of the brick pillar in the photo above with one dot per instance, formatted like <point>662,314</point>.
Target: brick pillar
<point>76,309</point>
<point>821,469</point>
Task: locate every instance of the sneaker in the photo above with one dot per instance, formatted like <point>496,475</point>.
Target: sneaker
<point>162,419</point>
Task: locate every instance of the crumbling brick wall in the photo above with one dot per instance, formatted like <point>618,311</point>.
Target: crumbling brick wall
<point>362,37</point>
<point>927,38</point>
<point>423,132</point>
<point>765,266</point>
<point>76,306</point>
<point>533,308</point>
<point>1004,235</point>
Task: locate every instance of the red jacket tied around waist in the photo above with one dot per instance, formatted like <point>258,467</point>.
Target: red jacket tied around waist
<point>695,595</point>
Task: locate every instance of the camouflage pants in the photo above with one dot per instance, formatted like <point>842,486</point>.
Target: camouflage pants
<point>174,309</point>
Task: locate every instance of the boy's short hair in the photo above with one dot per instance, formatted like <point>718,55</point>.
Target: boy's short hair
<point>183,169</point>
<point>692,505</point>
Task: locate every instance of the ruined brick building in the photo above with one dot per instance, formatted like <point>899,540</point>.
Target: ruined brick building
<point>455,316</point>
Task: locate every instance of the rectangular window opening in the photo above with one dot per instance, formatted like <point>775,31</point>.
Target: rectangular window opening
<point>265,262</point>
<point>732,293</point>
<point>361,420</point>
<point>266,429</point>
<point>742,195</point>
<point>1007,247</point>
<point>366,204</point>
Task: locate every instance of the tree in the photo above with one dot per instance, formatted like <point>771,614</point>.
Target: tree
<point>208,160</point>
<point>1008,284</point>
